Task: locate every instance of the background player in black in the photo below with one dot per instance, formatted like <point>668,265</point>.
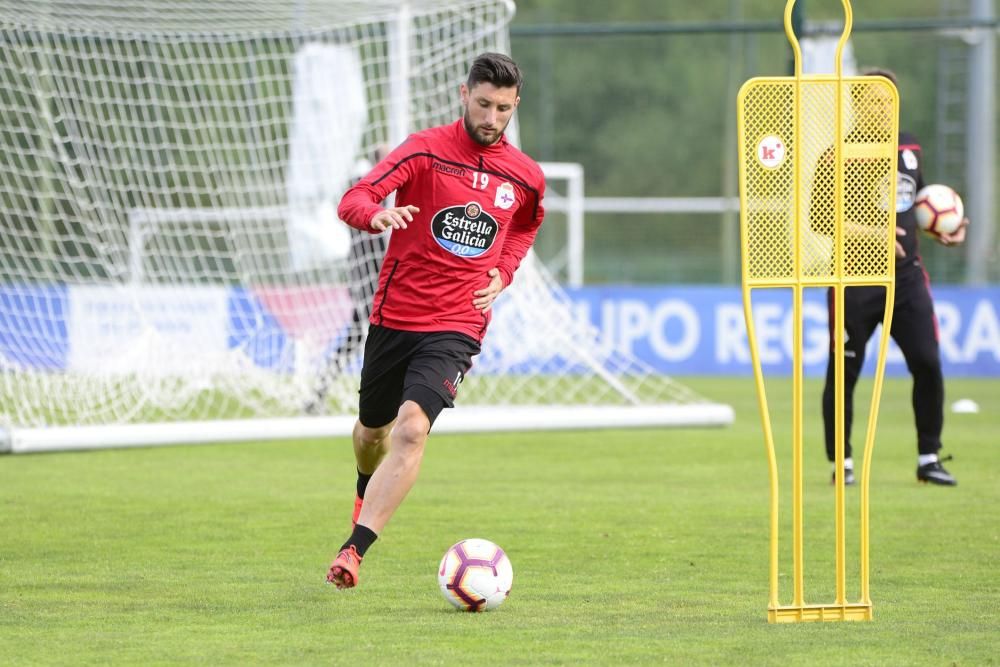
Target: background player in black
<point>914,326</point>
<point>364,260</point>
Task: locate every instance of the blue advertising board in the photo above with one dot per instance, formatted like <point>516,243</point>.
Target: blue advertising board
<point>694,330</point>
<point>689,330</point>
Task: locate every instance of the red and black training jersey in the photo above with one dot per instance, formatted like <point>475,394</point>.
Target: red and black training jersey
<point>480,208</point>
<point>871,196</point>
<point>909,181</point>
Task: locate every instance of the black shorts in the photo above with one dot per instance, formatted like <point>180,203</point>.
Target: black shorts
<point>411,366</point>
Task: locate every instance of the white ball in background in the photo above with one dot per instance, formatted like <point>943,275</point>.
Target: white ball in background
<point>965,406</point>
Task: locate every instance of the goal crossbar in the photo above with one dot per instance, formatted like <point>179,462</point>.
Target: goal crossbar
<point>467,420</point>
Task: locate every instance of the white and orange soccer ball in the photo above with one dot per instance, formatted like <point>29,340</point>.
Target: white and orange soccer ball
<point>475,575</point>
<point>938,209</point>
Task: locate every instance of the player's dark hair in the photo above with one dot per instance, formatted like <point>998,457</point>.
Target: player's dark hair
<point>882,72</point>
<point>495,68</point>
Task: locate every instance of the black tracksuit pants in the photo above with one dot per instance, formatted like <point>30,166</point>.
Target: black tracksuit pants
<point>914,328</point>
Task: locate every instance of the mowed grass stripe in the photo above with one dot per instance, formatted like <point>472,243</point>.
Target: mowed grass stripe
<point>629,546</point>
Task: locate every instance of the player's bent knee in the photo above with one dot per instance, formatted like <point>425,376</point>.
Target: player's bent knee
<point>412,425</point>
<point>371,436</point>
<point>927,365</point>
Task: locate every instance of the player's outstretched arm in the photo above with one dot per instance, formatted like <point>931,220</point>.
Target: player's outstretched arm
<point>393,218</point>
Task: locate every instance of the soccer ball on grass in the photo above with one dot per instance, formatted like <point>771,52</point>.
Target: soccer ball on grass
<point>475,575</point>
<point>939,210</point>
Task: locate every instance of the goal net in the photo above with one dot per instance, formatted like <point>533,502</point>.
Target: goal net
<point>171,267</point>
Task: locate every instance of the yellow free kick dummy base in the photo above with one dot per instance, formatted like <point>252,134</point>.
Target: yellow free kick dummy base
<point>859,611</point>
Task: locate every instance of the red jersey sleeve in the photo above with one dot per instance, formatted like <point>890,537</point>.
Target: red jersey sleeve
<point>363,200</point>
<point>522,233</point>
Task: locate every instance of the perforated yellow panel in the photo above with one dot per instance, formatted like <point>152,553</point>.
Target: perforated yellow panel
<point>817,204</point>
<point>817,208</point>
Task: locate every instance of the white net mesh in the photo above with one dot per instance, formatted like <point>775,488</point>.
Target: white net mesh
<point>169,175</point>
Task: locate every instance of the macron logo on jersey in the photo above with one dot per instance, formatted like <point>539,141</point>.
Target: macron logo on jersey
<point>464,231</point>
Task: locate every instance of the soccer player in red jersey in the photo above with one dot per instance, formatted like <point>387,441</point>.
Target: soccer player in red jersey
<point>468,207</point>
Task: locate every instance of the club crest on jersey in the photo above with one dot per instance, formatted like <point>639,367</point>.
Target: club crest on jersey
<point>505,196</point>
<point>465,231</point>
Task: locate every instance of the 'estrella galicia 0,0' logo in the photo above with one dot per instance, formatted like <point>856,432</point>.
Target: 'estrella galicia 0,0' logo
<point>466,231</point>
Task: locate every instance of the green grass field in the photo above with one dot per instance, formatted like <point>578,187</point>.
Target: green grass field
<point>644,546</point>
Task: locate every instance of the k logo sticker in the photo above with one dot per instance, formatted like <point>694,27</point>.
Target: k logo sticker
<point>771,151</point>
<point>505,196</point>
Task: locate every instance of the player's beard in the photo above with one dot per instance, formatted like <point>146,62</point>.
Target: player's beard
<point>477,133</point>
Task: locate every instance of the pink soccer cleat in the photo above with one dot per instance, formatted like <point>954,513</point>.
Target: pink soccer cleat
<point>344,570</point>
<point>358,502</point>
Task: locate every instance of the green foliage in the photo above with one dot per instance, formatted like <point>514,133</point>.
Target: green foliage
<point>654,115</point>
<point>628,547</point>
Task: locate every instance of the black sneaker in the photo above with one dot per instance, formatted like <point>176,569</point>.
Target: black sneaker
<point>934,473</point>
<point>848,477</point>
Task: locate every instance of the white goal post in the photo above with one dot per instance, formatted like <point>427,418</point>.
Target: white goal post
<point>172,270</point>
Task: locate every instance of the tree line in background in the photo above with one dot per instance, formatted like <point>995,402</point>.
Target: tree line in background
<point>654,114</point>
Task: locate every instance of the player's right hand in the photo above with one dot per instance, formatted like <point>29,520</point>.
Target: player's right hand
<point>393,218</point>
<point>956,237</point>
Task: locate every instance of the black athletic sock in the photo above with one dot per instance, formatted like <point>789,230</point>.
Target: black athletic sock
<point>363,480</point>
<point>361,538</point>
